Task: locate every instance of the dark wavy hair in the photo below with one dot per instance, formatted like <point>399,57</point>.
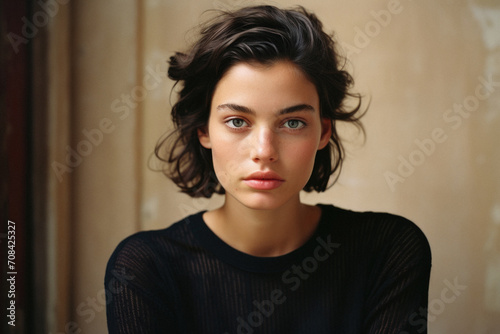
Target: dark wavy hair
<point>265,34</point>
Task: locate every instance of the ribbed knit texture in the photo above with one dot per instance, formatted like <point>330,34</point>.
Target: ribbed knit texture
<point>359,273</point>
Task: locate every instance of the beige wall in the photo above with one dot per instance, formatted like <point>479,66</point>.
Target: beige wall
<point>418,64</point>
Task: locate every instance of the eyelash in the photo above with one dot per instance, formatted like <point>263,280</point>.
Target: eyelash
<point>230,121</point>
<point>230,124</point>
<point>301,125</point>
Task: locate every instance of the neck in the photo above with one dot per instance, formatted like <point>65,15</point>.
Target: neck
<point>264,232</point>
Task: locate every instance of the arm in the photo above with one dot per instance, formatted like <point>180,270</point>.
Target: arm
<point>397,302</point>
<point>137,296</point>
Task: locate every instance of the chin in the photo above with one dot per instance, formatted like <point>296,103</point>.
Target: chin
<point>262,201</point>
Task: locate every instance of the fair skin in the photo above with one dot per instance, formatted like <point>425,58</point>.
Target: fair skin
<point>264,131</point>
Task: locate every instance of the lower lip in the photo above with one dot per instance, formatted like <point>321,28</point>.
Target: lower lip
<point>263,184</point>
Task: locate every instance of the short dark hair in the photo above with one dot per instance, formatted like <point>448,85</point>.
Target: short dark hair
<point>265,34</point>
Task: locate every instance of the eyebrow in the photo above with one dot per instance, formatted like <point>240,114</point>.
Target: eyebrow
<point>246,110</point>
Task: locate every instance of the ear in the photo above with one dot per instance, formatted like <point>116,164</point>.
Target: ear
<point>326,132</point>
<point>204,137</point>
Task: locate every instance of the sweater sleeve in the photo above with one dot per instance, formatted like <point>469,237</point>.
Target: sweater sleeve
<point>136,297</point>
<point>397,301</point>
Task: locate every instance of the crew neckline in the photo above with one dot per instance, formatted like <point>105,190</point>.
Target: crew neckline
<point>210,241</point>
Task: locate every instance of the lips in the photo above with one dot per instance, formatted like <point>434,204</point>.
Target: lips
<point>263,180</point>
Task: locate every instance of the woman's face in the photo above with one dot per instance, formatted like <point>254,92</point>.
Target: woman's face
<point>264,131</point>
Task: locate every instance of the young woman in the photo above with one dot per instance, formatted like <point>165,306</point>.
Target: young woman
<point>262,90</point>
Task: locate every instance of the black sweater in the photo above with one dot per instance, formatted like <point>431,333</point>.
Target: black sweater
<point>359,273</point>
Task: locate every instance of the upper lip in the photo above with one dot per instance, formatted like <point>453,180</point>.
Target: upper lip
<point>267,175</point>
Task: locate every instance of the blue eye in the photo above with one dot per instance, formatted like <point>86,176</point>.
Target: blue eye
<point>294,124</point>
<point>236,123</point>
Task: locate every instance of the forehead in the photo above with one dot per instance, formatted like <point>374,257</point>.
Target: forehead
<point>265,86</point>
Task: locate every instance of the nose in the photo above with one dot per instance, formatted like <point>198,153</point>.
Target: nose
<point>264,146</point>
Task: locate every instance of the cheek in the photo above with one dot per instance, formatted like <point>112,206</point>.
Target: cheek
<point>229,150</point>
<point>225,159</point>
<point>303,154</point>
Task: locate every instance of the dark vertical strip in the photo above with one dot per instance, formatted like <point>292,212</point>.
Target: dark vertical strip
<point>16,185</point>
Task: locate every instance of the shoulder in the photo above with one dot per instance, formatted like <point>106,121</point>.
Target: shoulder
<point>379,223</point>
<point>147,251</point>
<point>379,232</point>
